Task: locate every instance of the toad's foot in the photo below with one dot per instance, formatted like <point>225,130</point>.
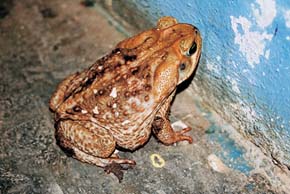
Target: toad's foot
<point>117,169</point>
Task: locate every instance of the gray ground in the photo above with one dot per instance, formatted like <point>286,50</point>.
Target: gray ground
<point>41,42</point>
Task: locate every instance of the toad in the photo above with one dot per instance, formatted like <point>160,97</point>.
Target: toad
<point>126,95</point>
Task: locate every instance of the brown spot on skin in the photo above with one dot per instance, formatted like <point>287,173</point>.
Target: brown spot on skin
<point>125,76</point>
<point>134,105</point>
<point>164,57</point>
<point>147,87</point>
<point>146,98</point>
<point>134,82</point>
<point>127,94</point>
<point>102,120</point>
<point>77,108</point>
<point>118,65</point>
<point>134,93</point>
<point>107,70</point>
<point>118,77</point>
<point>130,57</point>
<point>117,100</point>
<point>125,113</point>
<point>109,87</point>
<point>147,75</point>
<point>134,70</point>
<point>101,92</point>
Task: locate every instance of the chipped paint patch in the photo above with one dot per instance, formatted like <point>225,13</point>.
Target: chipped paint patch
<point>234,83</point>
<point>216,164</point>
<point>265,12</point>
<point>252,43</point>
<point>213,68</point>
<point>246,110</point>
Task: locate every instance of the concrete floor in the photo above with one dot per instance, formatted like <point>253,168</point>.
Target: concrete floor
<point>41,42</point>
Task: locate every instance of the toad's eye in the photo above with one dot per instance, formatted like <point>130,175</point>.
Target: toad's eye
<point>192,49</point>
<point>182,66</point>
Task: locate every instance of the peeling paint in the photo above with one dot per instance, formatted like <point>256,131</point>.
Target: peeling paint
<point>252,43</point>
<point>265,12</point>
<point>213,67</point>
<point>246,110</point>
<point>234,83</point>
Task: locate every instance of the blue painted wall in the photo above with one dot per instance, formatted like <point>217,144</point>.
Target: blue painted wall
<point>245,69</point>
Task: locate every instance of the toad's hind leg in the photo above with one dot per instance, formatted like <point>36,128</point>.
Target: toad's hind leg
<point>89,143</point>
<point>66,88</point>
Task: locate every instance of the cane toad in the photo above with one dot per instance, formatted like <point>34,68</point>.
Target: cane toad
<point>126,95</point>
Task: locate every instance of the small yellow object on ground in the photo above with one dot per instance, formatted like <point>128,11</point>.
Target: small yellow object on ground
<point>157,161</point>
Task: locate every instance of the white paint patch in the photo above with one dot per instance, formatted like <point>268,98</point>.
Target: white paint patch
<point>216,164</point>
<point>265,12</point>
<point>113,93</point>
<point>218,58</point>
<point>95,91</point>
<point>114,105</point>
<point>117,114</point>
<point>287,19</point>
<point>235,86</point>
<point>234,83</point>
<point>252,43</point>
<point>96,110</point>
<point>213,68</point>
<point>250,114</point>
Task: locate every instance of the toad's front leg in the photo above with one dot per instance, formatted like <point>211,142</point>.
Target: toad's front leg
<point>162,129</point>
<point>91,144</point>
